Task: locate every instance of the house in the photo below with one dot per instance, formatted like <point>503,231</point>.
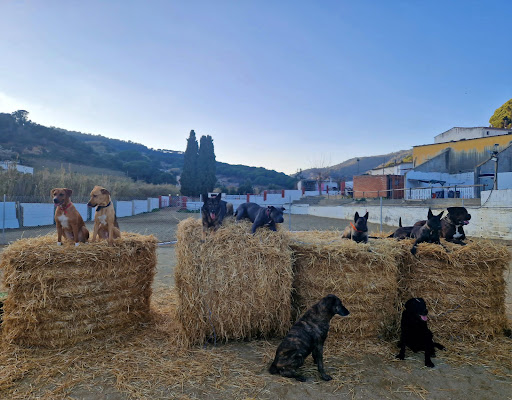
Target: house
<point>457,133</point>
<point>372,186</point>
<point>20,168</point>
<point>449,169</point>
<point>399,168</point>
<point>311,185</point>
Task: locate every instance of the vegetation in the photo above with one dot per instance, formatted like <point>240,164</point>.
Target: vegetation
<point>206,166</point>
<point>36,188</point>
<point>189,178</point>
<point>50,147</point>
<point>502,117</point>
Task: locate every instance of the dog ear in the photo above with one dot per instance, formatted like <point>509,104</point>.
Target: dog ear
<point>440,215</point>
<point>451,209</point>
<point>366,216</point>
<point>356,216</point>
<point>52,192</point>
<point>219,196</point>
<point>105,191</point>
<point>69,192</point>
<point>429,215</point>
<point>204,196</point>
<point>283,209</point>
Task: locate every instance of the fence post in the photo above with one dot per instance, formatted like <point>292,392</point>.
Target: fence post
<point>3,224</point>
<point>381,214</point>
<point>133,208</point>
<point>290,215</point>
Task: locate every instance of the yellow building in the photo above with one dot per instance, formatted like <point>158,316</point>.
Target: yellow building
<point>468,151</point>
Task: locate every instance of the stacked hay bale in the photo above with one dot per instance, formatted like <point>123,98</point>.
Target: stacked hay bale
<point>463,286</point>
<point>235,285</point>
<point>363,276</point>
<point>61,295</point>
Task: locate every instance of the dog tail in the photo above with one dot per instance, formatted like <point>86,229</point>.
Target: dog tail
<point>400,222</point>
<point>273,369</point>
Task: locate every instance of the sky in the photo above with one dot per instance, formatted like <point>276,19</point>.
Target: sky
<point>284,85</point>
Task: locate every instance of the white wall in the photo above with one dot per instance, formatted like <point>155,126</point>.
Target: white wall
<point>10,215</point>
<point>140,206</point>
<point>37,214</point>
<point>491,223</point>
<point>412,177</point>
<point>124,209</point>
<point>496,198</point>
<point>153,203</point>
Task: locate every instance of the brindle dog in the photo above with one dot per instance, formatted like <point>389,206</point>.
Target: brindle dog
<point>357,231</point>
<point>428,231</point>
<point>306,337</point>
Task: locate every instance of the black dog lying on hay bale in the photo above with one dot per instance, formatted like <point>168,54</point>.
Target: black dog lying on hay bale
<point>415,333</point>
<point>307,336</point>
<point>452,225</point>
<point>427,231</point>
<point>213,212</point>
<point>402,232</point>
<point>357,231</point>
<point>260,216</point>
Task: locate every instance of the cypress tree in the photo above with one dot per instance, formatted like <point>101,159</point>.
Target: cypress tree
<point>206,165</point>
<point>189,176</point>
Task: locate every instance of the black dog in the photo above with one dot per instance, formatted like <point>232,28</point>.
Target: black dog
<point>307,336</point>
<point>452,226</point>
<point>427,231</point>
<point>357,231</point>
<point>415,333</point>
<point>213,211</point>
<point>402,232</point>
<point>260,216</point>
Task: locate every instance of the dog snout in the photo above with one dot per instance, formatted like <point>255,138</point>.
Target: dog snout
<point>56,200</point>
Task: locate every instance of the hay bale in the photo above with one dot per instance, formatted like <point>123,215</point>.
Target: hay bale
<point>464,287</point>
<point>62,295</point>
<point>363,276</point>
<point>235,285</point>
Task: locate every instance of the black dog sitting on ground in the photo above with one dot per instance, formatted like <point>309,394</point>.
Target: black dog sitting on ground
<point>307,336</point>
<point>415,333</point>
<point>402,232</point>
<point>213,212</point>
<point>427,231</point>
<point>260,216</point>
<point>357,231</point>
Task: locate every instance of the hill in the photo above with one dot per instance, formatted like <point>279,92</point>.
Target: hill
<point>347,169</point>
<point>50,147</point>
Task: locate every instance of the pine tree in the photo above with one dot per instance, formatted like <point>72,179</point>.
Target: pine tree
<point>189,176</point>
<point>206,165</point>
<point>502,117</point>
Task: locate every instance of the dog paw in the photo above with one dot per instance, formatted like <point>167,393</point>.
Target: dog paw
<point>400,356</point>
<point>77,244</point>
<point>326,377</point>
<point>429,364</point>
<point>300,378</point>
<point>59,243</point>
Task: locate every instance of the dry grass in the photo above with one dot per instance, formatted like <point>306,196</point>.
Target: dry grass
<point>463,286</point>
<point>230,285</point>
<point>61,295</point>
<point>363,276</point>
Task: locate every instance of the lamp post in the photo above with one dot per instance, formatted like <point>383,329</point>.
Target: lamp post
<point>494,158</point>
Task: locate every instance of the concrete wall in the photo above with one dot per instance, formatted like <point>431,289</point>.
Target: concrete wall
<point>9,215</point>
<point>497,198</point>
<point>486,222</point>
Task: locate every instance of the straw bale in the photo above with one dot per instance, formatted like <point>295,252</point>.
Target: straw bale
<point>363,276</point>
<point>235,285</point>
<point>62,295</point>
<point>464,287</point>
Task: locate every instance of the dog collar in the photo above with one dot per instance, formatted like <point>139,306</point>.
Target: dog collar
<point>357,230</point>
<point>100,207</point>
<point>64,209</point>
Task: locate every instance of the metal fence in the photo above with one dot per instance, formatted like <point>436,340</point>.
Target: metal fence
<point>423,193</point>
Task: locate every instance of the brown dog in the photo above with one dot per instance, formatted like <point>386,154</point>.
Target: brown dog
<point>68,220</point>
<point>105,221</point>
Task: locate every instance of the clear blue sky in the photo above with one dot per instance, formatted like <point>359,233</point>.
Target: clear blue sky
<point>278,84</point>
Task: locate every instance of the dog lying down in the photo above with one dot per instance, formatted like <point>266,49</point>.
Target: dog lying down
<point>415,333</point>
<point>307,336</point>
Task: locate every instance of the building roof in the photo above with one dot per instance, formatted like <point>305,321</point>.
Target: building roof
<point>460,140</point>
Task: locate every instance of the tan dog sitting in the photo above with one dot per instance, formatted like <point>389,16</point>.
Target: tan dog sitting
<point>105,222</point>
<point>67,218</point>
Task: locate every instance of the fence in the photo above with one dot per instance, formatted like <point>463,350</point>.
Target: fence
<point>430,192</point>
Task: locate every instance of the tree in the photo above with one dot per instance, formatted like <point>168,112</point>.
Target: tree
<point>206,165</point>
<point>20,116</point>
<point>502,117</point>
<point>246,188</point>
<point>189,177</point>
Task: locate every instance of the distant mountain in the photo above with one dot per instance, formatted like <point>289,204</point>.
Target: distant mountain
<point>49,147</point>
<point>347,169</point>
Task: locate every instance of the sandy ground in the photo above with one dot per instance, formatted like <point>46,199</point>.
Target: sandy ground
<point>242,374</point>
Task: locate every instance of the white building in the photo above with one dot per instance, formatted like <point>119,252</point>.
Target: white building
<point>20,168</point>
<point>397,169</point>
<point>457,133</point>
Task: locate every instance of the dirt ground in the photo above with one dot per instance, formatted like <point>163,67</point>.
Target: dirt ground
<point>239,370</point>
